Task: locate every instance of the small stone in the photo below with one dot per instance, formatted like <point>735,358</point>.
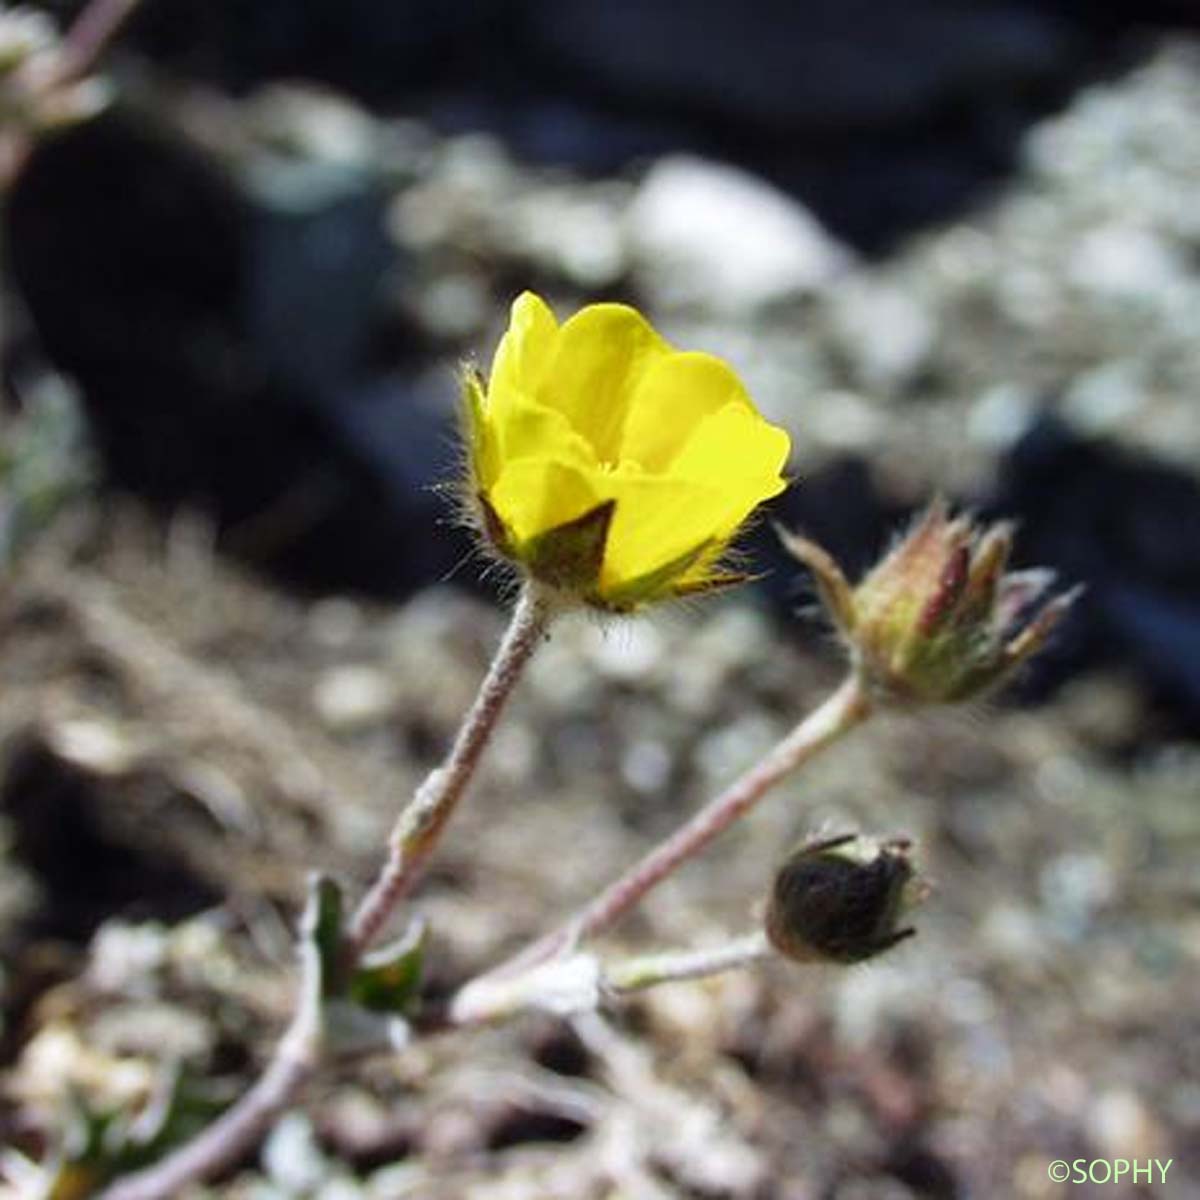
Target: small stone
<point>625,653</point>
<point>96,745</point>
<point>1122,1126</point>
<point>1074,887</point>
<point>732,748</point>
<point>292,1158</point>
<point>1013,934</point>
<point>711,235</point>
<point>1001,416</point>
<point>57,1063</point>
<point>646,767</point>
<point>314,124</point>
<point>127,958</point>
<point>574,231</point>
<point>1124,262</point>
<point>352,696</point>
<point>885,331</point>
<point>152,1030</point>
<point>845,421</point>
<point>1107,397</point>
<point>454,306</point>
<point>335,622</point>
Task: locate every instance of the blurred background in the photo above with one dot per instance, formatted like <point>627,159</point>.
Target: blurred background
<point>953,247</point>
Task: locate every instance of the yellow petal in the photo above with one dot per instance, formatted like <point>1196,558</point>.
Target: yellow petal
<point>523,356</point>
<point>735,444</point>
<point>599,359</point>
<point>533,495</point>
<point>671,396</point>
<point>531,430</point>
<point>730,466</point>
<point>658,519</point>
<point>668,580</point>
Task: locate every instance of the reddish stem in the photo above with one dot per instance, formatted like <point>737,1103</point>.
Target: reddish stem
<point>413,840</point>
<point>844,709</point>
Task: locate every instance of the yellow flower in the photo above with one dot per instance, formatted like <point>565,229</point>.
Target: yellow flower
<point>608,463</point>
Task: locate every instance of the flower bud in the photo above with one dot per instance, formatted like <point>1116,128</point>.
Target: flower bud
<point>837,900</point>
<point>939,619</point>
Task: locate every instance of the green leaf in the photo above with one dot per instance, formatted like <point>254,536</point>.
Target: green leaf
<point>389,978</point>
<point>321,929</point>
<point>100,1145</point>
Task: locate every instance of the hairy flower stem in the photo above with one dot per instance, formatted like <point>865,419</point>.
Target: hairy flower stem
<point>413,840</point>
<point>836,716</point>
<point>419,827</point>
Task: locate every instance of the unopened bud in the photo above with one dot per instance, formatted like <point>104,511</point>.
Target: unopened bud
<point>939,619</point>
<point>841,900</point>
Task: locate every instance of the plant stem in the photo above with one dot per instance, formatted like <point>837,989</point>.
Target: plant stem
<point>419,827</point>
<point>650,970</point>
<point>227,1139</point>
<point>413,840</point>
<point>90,35</point>
<point>836,716</point>
<point>579,983</point>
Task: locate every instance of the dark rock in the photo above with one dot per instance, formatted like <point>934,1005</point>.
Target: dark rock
<point>229,353</point>
<point>1125,527</point>
<point>373,49</point>
<point>814,69</point>
<point>89,869</point>
<point>881,118</point>
<point>923,1171</point>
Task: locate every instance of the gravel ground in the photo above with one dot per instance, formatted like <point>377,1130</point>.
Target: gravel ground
<point>181,744</point>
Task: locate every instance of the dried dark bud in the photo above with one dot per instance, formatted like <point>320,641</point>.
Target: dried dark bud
<point>838,900</point>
